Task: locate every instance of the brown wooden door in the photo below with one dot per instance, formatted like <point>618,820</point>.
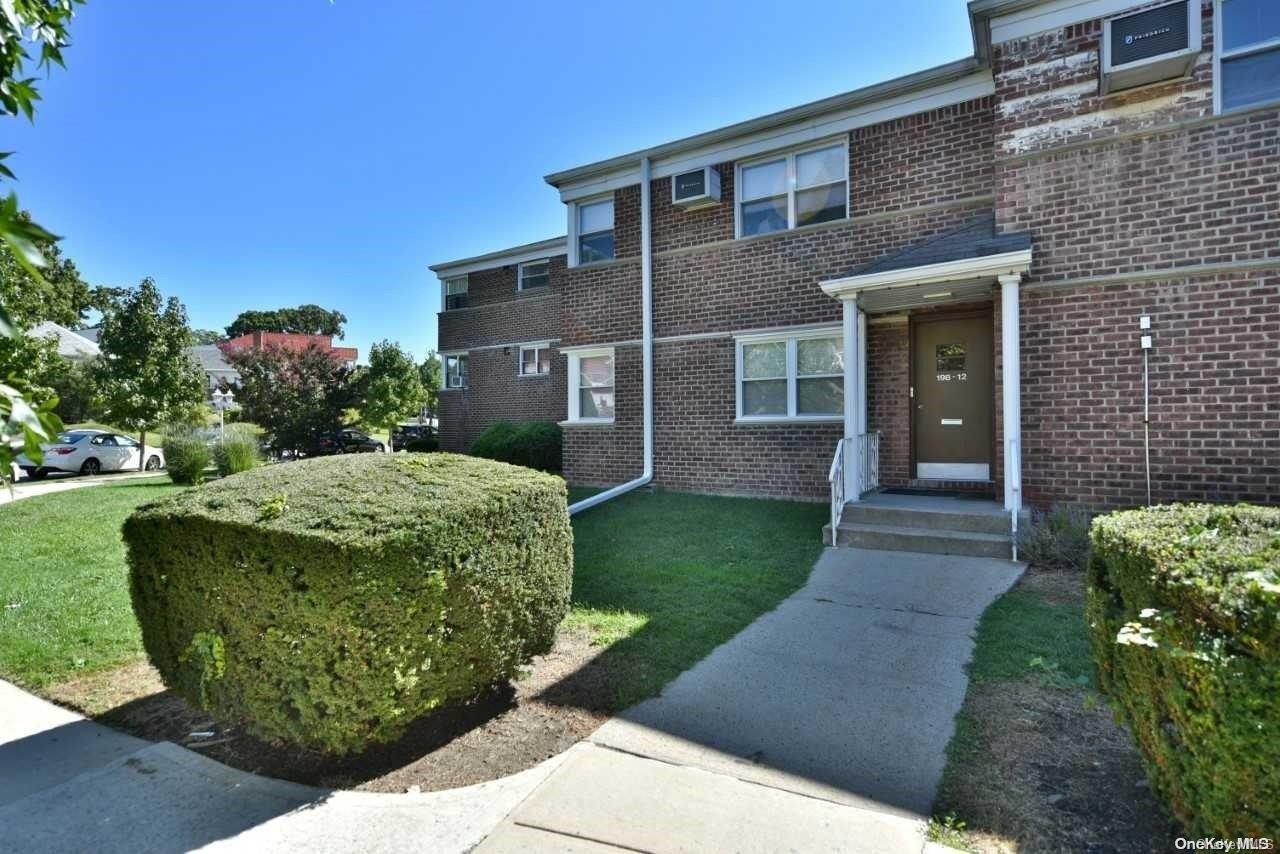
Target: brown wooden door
<point>953,398</point>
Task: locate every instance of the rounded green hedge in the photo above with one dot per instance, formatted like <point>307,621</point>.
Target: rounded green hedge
<point>1184,616</point>
<point>534,444</point>
<point>331,601</point>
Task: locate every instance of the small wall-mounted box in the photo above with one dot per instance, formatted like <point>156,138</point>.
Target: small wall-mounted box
<point>1150,46</point>
<point>697,189</point>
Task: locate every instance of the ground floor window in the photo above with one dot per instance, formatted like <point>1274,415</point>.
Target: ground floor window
<point>799,376</point>
<point>455,371</point>
<point>535,361</point>
<point>591,385</point>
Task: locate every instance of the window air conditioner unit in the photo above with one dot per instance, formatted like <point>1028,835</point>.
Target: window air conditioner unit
<point>696,189</point>
<point>1150,46</point>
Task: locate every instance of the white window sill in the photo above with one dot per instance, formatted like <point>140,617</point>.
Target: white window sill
<point>799,419</point>
<point>533,376</point>
<point>598,422</point>
<point>456,388</point>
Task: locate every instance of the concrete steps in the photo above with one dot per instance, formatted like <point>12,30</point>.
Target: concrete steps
<point>925,524</point>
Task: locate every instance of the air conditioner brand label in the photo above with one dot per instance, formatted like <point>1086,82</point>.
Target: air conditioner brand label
<point>690,184</point>
<point>1148,34</point>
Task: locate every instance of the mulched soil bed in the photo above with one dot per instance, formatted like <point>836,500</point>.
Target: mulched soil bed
<point>511,728</point>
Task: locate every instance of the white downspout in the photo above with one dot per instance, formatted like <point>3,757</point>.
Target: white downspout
<point>646,352</point>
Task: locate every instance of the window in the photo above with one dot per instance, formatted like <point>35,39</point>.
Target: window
<point>792,377</point>
<point>455,371</point>
<point>535,361</point>
<point>595,231</point>
<point>790,190</point>
<point>1248,53</point>
<point>455,293</point>
<point>591,386</point>
<point>534,274</point>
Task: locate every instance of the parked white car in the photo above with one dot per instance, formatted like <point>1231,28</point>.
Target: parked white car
<point>92,452</point>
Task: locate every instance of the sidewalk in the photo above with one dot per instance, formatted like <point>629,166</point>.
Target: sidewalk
<point>61,483</point>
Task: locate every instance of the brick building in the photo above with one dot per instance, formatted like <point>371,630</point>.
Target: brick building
<point>942,281</point>
<point>291,341</point>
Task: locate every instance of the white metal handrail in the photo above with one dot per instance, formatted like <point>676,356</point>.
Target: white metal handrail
<point>1013,462</point>
<point>869,460</point>
<point>836,478</point>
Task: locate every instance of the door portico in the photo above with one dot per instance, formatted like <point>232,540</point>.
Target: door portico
<point>901,288</point>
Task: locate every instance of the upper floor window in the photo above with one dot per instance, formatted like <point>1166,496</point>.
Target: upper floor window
<point>534,274</point>
<point>591,385</point>
<point>790,190</point>
<point>1248,52</point>
<point>455,293</point>
<point>535,361</point>
<point>791,377</point>
<point>455,371</point>
<point>595,231</point>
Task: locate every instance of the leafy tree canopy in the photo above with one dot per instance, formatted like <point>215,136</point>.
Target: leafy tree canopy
<point>24,23</point>
<point>145,377</point>
<point>57,294</point>
<point>430,372</point>
<point>305,319</point>
<point>393,389</point>
<point>206,336</point>
<point>294,394</point>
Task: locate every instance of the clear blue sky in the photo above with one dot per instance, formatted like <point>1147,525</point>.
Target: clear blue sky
<point>263,154</point>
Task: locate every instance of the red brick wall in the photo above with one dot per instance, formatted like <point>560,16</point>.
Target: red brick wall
<point>888,403</point>
<point>498,319</point>
<point>1215,391</point>
<point>939,156</point>
<point>609,454</point>
<point>1118,186</point>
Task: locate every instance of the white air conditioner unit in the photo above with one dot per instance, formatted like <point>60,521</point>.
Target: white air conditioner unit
<point>696,189</point>
<point>1150,46</point>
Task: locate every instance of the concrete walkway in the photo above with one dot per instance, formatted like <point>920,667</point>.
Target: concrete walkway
<point>822,726</point>
<point>27,488</point>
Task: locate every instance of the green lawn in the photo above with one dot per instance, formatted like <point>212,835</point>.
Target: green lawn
<point>660,579</point>
<point>64,595</point>
<point>664,578</point>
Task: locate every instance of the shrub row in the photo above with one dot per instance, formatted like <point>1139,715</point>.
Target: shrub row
<point>331,601</point>
<point>1184,616</point>
<point>533,444</point>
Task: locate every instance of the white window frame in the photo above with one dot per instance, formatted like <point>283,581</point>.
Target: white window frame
<point>574,260</point>
<point>790,339</point>
<point>537,347</point>
<point>790,156</point>
<point>444,372</point>
<point>520,273</point>
<point>575,368</point>
<point>1220,53</point>
<point>444,290</point>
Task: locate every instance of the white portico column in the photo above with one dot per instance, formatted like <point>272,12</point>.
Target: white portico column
<point>853,374</point>
<point>1011,387</point>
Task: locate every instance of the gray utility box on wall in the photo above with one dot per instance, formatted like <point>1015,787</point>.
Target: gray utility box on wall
<point>1150,46</point>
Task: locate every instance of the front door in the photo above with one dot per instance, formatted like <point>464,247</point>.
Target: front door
<point>952,394</point>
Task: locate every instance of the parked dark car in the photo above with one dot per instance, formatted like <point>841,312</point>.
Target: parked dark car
<point>403,434</point>
<point>346,442</point>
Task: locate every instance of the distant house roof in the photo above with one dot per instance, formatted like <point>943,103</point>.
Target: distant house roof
<point>91,333</point>
<point>71,345</point>
<point>210,358</point>
<point>975,239</point>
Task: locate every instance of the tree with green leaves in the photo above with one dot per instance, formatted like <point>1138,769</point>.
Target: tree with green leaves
<point>41,23</point>
<point>295,394</point>
<point>307,319</point>
<point>145,377</point>
<point>431,373</point>
<point>26,418</point>
<point>206,336</point>
<point>393,389</point>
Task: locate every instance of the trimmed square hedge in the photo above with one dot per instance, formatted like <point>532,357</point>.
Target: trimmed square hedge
<point>1184,616</point>
<point>331,601</point>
